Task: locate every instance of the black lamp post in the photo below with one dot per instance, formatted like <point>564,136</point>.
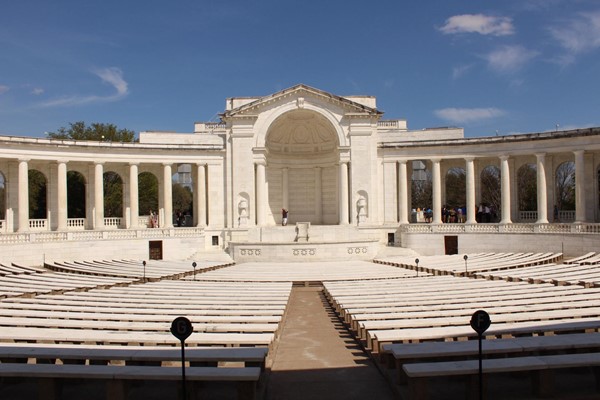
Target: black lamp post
<point>144,264</point>
<point>417,262</point>
<point>466,257</point>
<point>194,265</point>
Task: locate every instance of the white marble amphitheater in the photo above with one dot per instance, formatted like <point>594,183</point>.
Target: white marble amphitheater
<point>342,171</point>
<point>361,295</point>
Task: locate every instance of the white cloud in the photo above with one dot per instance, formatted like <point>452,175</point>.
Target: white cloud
<point>466,115</point>
<point>578,35</point>
<point>509,58</point>
<point>4,89</point>
<point>113,76</point>
<point>478,23</point>
<point>37,91</point>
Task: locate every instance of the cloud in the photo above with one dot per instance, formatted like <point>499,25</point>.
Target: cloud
<point>509,58</point>
<point>112,76</point>
<point>578,35</point>
<point>37,91</point>
<point>478,23</point>
<point>461,70</point>
<point>466,115</point>
<point>4,89</point>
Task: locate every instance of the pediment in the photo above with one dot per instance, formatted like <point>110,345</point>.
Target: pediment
<point>300,93</point>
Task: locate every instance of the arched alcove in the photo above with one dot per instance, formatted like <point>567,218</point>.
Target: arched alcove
<point>302,156</point>
<point>113,195</point>
<point>3,195</point>
<point>527,192</point>
<point>491,194</point>
<point>565,191</point>
<point>38,198</point>
<point>75,195</point>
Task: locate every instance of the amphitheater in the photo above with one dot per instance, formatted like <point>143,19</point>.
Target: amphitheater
<point>356,297</point>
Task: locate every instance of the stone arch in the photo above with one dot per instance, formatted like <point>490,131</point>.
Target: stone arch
<point>456,187</point>
<point>302,153</point>
<point>421,189</point>
<point>263,127</point>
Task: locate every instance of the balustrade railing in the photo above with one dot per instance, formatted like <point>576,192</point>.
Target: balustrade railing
<point>76,223</point>
<point>528,216</point>
<point>113,222</point>
<point>38,224</point>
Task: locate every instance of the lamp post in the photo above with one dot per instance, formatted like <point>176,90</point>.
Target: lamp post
<point>194,265</point>
<point>144,264</point>
<point>417,262</point>
<point>466,257</point>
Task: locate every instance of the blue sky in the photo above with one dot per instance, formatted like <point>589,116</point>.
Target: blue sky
<point>507,66</point>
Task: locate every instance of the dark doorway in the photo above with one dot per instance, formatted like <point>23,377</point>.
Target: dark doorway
<point>391,238</point>
<point>451,244</point>
<point>155,249</point>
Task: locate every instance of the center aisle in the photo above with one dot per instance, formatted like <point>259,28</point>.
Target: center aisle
<point>317,358</point>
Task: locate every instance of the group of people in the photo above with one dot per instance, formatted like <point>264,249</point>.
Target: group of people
<point>153,219</point>
<point>451,215</point>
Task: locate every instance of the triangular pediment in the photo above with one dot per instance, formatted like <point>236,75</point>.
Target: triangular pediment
<point>300,91</point>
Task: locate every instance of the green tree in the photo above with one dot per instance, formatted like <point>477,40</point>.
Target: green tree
<point>565,186</point>
<point>148,193</point>
<point>76,195</point>
<point>2,197</point>
<point>37,195</point>
<point>456,183</point>
<point>527,187</point>
<point>113,195</point>
<point>491,193</point>
<point>182,198</point>
<point>96,131</point>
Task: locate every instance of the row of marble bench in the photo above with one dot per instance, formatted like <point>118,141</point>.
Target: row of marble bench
<point>50,368</point>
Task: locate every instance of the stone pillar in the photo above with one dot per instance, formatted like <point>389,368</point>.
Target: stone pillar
<point>98,196</point>
<point>402,193</point>
<point>134,210</point>
<point>318,196</point>
<point>167,196</point>
<point>200,191</point>
<point>505,187</point>
<point>61,192</point>
<point>343,199</point>
<point>470,170</point>
<point>542,193</point>
<point>260,193</point>
<point>437,191</point>
<point>23,196</point>
<point>579,187</point>
<point>285,188</point>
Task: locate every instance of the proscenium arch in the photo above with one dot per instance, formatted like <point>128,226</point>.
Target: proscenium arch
<point>302,153</point>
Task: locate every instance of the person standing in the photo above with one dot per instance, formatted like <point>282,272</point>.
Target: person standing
<point>284,216</point>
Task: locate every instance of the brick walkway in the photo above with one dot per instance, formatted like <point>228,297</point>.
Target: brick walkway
<point>317,358</point>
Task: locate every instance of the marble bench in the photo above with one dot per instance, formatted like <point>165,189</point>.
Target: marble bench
<point>541,366</point>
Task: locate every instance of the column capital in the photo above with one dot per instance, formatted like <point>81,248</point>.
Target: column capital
<point>24,159</point>
<point>579,152</point>
<point>134,163</point>
<point>167,164</point>
<point>504,157</point>
<point>469,158</point>
<point>435,160</point>
<point>99,162</point>
<point>540,155</point>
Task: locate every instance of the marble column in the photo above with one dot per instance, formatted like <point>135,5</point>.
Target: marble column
<point>260,194</point>
<point>98,195</point>
<point>343,198</point>
<point>134,210</point>
<point>437,191</point>
<point>200,191</point>
<point>470,171</point>
<point>285,188</point>
<point>23,196</point>
<point>318,196</point>
<point>579,186</point>
<point>505,187</point>
<point>61,192</point>
<point>402,193</point>
<point>542,193</point>
<point>167,196</point>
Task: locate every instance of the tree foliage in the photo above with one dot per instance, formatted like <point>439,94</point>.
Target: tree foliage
<point>565,186</point>
<point>491,194</point>
<point>37,195</point>
<point>527,187</point>
<point>422,192</point>
<point>148,193</point>
<point>456,184</point>
<point>75,195</point>
<point>182,198</point>
<point>95,131</point>
<point>2,197</point>
<point>113,195</point>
